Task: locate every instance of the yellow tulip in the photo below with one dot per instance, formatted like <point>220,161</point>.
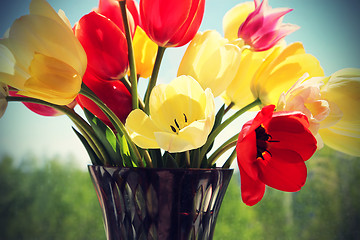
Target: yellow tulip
<point>238,92</point>
<point>181,117</point>
<point>43,57</point>
<point>270,73</point>
<point>211,60</point>
<point>341,90</point>
<point>144,52</point>
<point>233,19</point>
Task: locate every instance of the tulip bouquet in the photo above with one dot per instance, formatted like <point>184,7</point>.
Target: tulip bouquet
<point>51,66</point>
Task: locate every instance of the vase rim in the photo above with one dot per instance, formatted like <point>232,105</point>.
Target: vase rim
<point>164,169</point>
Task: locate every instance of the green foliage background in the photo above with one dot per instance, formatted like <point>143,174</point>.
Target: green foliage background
<point>53,200</point>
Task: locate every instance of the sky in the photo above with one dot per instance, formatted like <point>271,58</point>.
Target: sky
<point>329,31</point>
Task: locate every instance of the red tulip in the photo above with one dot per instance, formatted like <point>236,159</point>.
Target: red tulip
<point>272,150</point>
<point>42,109</point>
<point>171,23</point>
<point>105,46</point>
<point>111,10</point>
<point>113,93</point>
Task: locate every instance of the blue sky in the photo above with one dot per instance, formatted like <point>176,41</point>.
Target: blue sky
<point>329,30</point>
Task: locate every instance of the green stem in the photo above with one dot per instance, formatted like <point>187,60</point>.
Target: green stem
<point>222,149</point>
<point>118,125</point>
<point>127,84</point>
<point>83,126</point>
<point>154,75</point>
<point>229,107</point>
<point>187,159</point>
<point>231,158</point>
<point>221,127</point>
<point>132,65</point>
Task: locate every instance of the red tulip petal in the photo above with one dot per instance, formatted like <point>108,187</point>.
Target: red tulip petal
<point>302,143</point>
<point>105,46</point>
<point>291,121</point>
<point>133,7</point>
<point>171,23</point>
<point>246,146</point>
<point>252,191</point>
<point>188,30</point>
<point>246,154</point>
<point>283,175</point>
<point>111,9</point>
<point>113,93</point>
<point>161,19</point>
<point>263,117</point>
<point>291,131</point>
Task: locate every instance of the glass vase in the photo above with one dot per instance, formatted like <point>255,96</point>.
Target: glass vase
<point>159,204</point>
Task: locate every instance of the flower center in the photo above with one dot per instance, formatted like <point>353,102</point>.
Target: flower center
<point>262,142</point>
<point>176,127</point>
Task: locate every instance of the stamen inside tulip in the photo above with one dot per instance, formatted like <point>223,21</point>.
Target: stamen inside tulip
<point>177,127</point>
<point>173,129</point>
<point>262,142</point>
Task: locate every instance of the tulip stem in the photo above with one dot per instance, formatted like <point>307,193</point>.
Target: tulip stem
<point>83,126</point>
<point>221,127</point>
<point>187,158</point>
<point>154,75</point>
<point>132,65</point>
<point>128,87</point>
<point>222,149</point>
<point>229,107</point>
<point>231,158</point>
<point>119,127</point>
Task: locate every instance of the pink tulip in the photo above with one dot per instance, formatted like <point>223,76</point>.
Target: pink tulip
<point>263,28</point>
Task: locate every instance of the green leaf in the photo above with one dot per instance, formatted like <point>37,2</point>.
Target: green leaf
<point>125,153</point>
<point>107,138</point>
<point>169,160</point>
<point>195,158</point>
<point>218,120</point>
<point>94,159</point>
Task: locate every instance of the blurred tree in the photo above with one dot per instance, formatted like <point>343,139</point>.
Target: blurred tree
<point>50,200</point>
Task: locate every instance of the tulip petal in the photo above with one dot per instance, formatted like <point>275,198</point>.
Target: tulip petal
<point>280,73</point>
<point>30,34</point>
<point>343,143</point>
<point>105,46</point>
<point>184,93</point>
<point>283,175</point>
<point>144,52</point>
<point>252,191</point>
<point>238,90</point>
<point>7,60</point>
<point>246,146</point>
<point>211,60</point>
<point>141,129</point>
<point>171,23</point>
<point>190,137</point>
<point>43,8</point>
<point>55,81</point>
<point>235,17</point>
